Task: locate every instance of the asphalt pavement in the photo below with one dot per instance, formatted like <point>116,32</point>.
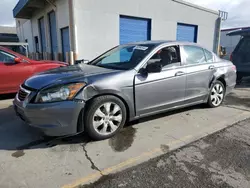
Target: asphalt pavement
<point>219,160</point>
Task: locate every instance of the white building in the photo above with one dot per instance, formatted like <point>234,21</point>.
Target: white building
<point>90,27</point>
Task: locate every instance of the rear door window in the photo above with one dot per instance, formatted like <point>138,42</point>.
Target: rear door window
<point>209,56</point>
<point>194,55</point>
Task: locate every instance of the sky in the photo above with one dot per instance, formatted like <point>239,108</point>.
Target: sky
<point>238,11</point>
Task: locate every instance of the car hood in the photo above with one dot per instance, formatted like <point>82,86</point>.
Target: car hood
<point>64,75</point>
<point>52,62</point>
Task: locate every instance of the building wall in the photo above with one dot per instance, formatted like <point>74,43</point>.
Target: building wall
<point>7,30</point>
<point>229,42</point>
<point>28,29</point>
<point>97,22</point>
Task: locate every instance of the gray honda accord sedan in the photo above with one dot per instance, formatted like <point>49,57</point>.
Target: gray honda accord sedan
<point>123,84</point>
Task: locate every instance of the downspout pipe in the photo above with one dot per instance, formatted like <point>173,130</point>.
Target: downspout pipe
<point>72,28</point>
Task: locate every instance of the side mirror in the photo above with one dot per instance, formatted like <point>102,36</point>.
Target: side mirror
<point>154,68</point>
<point>85,61</point>
<point>18,60</point>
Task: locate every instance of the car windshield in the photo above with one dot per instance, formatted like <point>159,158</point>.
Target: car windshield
<point>123,57</point>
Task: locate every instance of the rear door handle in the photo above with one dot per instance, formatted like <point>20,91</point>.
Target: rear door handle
<point>180,73</point>
<point>211,67</point>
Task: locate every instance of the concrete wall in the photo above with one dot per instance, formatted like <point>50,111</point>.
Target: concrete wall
<point>29,29</point>
<point>229,42</point>
<point>97,22</point>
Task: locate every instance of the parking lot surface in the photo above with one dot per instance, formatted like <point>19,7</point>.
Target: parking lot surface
<point>219,160</point>
<point>27,159</point>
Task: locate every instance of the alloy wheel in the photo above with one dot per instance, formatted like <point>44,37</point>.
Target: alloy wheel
<point>217,94</point>
<point>107,118</point>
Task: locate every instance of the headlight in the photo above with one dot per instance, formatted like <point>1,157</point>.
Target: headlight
<point>59,93</point>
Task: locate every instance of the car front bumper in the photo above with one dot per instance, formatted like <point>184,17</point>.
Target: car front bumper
<point>53,119</point>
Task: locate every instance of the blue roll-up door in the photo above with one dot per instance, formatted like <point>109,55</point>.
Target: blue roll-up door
<point>53,33</point>
<point>65,41</point>
<point>42,34</point>
<point>134,29</point>
<point>186,32</point>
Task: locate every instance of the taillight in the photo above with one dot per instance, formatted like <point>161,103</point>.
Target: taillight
<point>231,57</point>
<point>234,68</point>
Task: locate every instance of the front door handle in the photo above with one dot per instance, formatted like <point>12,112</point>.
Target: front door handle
<point>211,67</point>
<point>180,73</point>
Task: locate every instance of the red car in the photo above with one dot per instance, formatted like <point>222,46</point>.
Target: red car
<point>15,68</point>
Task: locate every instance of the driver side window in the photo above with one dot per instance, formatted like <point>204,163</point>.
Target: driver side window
<point>6,57</point>
<point>168,57</point>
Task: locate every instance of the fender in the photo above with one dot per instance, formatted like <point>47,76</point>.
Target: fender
<point>90,92</point>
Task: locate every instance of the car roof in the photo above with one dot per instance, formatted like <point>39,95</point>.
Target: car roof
<point>160,42</point>
<point>242,32</point>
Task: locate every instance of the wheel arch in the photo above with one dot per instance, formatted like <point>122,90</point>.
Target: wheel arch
<point>220,78</point>
<point>129,110</point>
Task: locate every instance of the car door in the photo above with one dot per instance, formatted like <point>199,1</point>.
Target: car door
<point>12,73</point>
<point>199,71</point>
<point>159,91</point>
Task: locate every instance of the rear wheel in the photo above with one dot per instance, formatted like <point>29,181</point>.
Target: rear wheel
<point>216,95</point>
<point>105,116</point>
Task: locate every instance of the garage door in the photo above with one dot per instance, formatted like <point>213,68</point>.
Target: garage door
<point>186,32</point>
<point>42,34</point>
<point>134,29</point>
<point>65,42</point>
<point>53,33</point>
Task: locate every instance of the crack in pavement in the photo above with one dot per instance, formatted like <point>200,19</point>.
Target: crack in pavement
<point>176,138</point>
<point>93,166</point>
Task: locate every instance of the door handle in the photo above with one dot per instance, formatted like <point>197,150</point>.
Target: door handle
<point>180,73</point>
<point>211,67</point>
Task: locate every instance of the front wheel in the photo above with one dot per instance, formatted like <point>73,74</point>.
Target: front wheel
<point>105,116</point>
<point>216,95</point>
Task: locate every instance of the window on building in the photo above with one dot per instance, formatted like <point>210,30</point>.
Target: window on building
<point>168,57</point>
<point>194,55</point>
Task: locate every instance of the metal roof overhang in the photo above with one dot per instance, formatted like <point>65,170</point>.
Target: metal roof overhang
<point>242,32</point>
<point>25,8</point>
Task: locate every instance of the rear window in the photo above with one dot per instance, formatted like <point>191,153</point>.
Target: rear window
<point>242,51</point>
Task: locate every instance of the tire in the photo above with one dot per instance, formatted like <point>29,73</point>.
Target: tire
<point>216,95</point>
<point>101,123</point>
<point>239,79</point>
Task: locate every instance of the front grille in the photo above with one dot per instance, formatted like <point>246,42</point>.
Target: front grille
<point>22,94</point>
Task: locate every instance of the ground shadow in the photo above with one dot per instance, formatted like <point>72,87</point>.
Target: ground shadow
<point>7,96</point>
<point>245,83</point>
<point>234,100</point>
<point>16,135</point>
